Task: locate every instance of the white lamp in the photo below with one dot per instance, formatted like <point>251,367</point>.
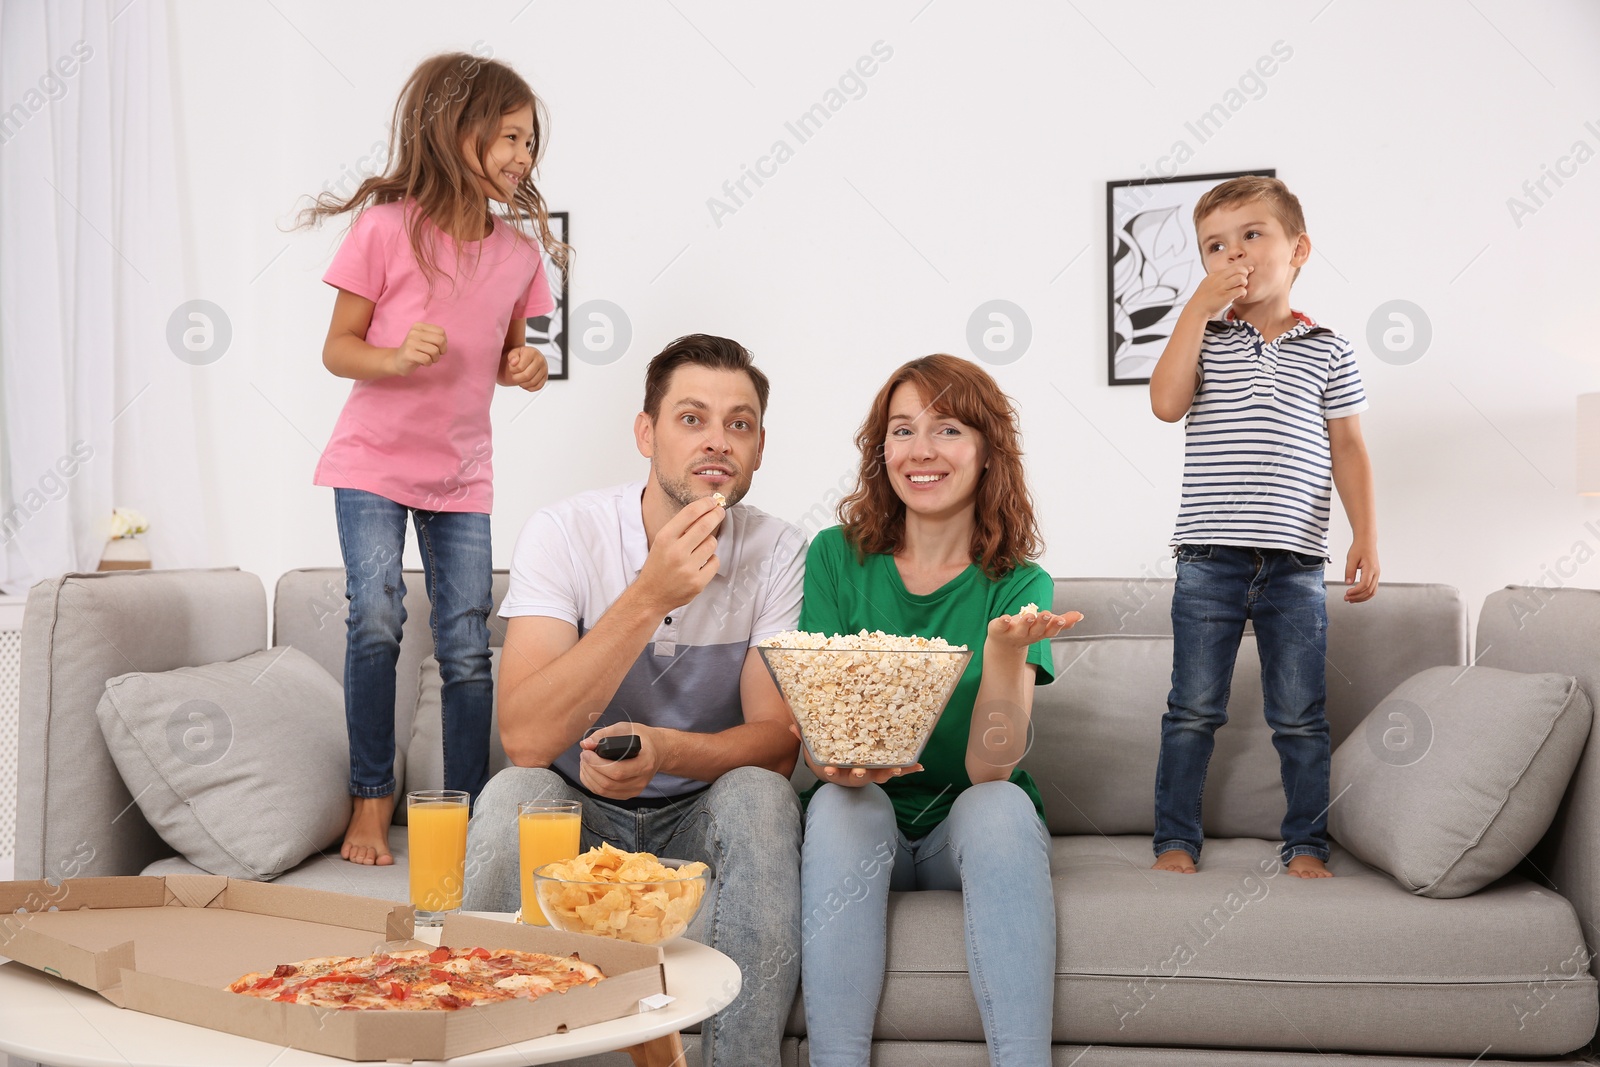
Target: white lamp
<point>1589,444</point>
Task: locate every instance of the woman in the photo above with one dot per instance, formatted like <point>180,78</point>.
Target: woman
<point>936,540</point>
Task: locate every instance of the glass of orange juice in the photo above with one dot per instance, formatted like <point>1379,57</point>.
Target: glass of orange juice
<point>547,831</point>
<point>436,831</point>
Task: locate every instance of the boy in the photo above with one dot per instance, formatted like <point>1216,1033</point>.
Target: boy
<point>1273,403</point>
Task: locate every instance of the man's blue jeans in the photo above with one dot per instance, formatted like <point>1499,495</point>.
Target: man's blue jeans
<point>458,572</point>
<point>746,826</point>
<point>1218,587</point>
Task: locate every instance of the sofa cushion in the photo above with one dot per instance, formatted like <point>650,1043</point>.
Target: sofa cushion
<point>425,752</point>
<point>1457,774</point>
<point>1372,647</point>
<point>1242,955</point>
<point>327,870</point>
<point>241,766</point>
<point>78,631</point>
<point>1539,629</point>
<point>310,612</point>
<point>976,1054</point>
<point>1097,736</point>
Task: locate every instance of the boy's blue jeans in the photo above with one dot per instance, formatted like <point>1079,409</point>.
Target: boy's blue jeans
<point>458,572</point>
<point>1218,587</point>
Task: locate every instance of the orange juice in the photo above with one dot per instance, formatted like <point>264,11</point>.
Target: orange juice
<point>438,839</point>
<point>545,837</point>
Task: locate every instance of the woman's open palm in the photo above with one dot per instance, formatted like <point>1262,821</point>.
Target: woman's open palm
<point>1025,628</point>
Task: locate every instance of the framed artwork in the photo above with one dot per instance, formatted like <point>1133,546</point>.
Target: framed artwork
<point>548,333</point>
<point>1152,265</point>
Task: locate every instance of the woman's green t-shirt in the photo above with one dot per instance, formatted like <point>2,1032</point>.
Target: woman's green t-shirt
<point>844,596</point>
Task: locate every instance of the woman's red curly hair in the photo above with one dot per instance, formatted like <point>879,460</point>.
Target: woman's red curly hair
<point>1005,531</point>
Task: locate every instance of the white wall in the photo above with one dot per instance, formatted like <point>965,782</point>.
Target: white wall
<point>972,168</point>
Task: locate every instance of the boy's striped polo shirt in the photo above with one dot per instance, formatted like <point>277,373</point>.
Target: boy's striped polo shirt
<point>1257,470</point>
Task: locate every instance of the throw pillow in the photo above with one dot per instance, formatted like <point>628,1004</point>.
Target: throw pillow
<point>1451,780</point>
<point>242,766</point>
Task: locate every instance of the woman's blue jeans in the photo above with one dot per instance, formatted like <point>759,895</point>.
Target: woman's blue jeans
<point>993,848</point>
<point>457,568</point>
<point>1218,587</point>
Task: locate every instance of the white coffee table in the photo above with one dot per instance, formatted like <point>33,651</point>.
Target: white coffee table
<point>64,1025</point>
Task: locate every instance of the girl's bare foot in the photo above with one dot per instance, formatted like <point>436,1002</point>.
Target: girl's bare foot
<point>1175,860</point>
<point>367,839</point>
<point>1309,867</point>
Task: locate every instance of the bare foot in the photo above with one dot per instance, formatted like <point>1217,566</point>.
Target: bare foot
<point>367,839</point>
<point>1309,867</point>
<point>1176,860</point>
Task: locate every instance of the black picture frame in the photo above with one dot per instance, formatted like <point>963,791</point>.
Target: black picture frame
<point>548,333</point>
<point>1152,265</point>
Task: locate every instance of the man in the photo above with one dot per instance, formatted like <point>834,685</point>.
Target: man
<point>637,610</point>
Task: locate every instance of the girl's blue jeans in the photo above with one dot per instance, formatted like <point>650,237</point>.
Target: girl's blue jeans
<point>457,568</point>
<point>1218,587</point>
<point>993,848</point>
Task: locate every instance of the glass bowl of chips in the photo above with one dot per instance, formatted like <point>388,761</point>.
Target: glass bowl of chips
<point>864,700</point>
<point>631,896</point>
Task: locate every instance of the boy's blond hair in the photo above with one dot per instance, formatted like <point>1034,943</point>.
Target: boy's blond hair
<point>1279,200</point>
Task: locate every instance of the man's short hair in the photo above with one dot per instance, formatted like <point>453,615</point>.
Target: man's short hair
<point>1282,203</point>
<point>702,350</point>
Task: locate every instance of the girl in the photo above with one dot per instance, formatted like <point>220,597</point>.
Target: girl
<point>936,541</point>
<point>434,290</point>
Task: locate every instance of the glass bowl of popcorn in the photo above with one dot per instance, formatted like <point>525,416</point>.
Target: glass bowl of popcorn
<point>630,896</point>
<point>867,700</point>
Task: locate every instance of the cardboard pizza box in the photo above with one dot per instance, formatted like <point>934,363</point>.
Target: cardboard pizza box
<point>169,947</point>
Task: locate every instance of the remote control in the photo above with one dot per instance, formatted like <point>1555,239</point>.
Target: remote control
<point>618,747</point>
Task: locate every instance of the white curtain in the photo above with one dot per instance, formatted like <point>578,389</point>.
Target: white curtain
<point>98,408</point>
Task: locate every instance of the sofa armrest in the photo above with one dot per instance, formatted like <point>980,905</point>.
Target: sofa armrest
<point>1534,629</point>
<point>74,815</point>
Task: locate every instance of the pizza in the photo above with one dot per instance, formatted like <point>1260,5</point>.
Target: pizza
<point>419,979</point>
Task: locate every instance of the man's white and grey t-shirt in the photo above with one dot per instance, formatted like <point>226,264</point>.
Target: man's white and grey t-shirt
<point>574,559</point>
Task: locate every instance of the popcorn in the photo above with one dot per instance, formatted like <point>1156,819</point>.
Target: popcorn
<point>865,699</point>
<point>1026,608</point>
<point>719,500</point>
<point>874,641</point>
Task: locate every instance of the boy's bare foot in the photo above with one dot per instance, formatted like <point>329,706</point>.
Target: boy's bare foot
<point>1309,867</point>
<point>367,839</point>
<point>1176,860</point>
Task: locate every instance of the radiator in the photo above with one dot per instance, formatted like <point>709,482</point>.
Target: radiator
<point>10,675</point>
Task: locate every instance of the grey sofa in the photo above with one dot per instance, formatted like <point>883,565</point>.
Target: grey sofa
<point>1282,971</point>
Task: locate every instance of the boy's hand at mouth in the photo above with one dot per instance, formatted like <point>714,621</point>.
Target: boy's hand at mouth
<point>1220,288</point>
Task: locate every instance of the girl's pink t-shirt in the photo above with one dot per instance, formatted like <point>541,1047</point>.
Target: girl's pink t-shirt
<point>424,440</point>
